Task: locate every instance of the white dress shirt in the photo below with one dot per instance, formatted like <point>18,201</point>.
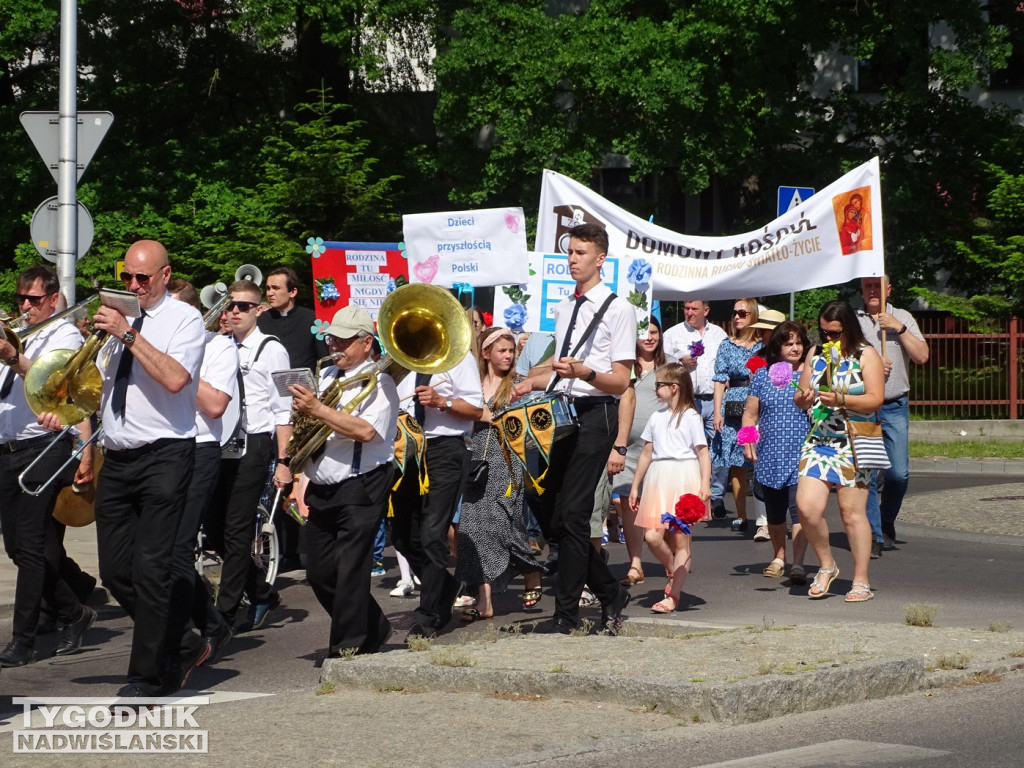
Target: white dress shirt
<point>676,342</point>
<point>380,409</point>
<point>220,371</point>
<point>152,412</point>
<point>17,421</point>
<point>614,339</point>
<point>462,381</point>
<point>264,408</point>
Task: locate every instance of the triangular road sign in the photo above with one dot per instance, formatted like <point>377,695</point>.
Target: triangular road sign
<point>44,130</point>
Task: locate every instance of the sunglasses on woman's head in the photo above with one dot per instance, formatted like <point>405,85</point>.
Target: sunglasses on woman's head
<point>740,313</point>
<point>833,335</point>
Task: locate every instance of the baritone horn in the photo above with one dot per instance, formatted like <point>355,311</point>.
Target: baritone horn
<point>16,333</point>
<point>422,327</point>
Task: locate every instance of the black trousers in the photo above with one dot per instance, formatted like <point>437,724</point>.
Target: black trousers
<point>420,526</point>
<point>34,540</point>
<point>140,498</point>
<point>191,606</point>
<point>232,524</point>
<point>343,522</point>
<point>577,464</point>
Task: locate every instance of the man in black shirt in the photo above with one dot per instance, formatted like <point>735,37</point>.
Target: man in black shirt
<point>291,324</point>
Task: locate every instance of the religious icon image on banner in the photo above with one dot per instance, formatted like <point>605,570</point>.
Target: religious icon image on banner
<point>853,219</point>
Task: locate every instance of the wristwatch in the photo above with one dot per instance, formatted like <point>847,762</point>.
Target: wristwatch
<point>590,376</point>
<point>902,330</point>
<point>128,337</point>
<point>447,405</point>
<point>619,449</point>
<point>13,359</point>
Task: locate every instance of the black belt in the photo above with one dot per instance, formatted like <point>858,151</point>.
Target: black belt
<point>704,397</point>
<point>739,382</point>
<point>892,400</point>
<point>584,403</point>
<point>13,446</point>
<point>133,453</point>
<point>259,434</point>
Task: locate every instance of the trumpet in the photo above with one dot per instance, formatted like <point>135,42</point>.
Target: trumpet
<point>215,297</point>
<point>422,327</point>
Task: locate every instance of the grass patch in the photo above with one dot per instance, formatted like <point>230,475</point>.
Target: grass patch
<point>559,670</point>
<point>765,667</point>
<point>347,654</point>
<point>952,661</point>
<point>583,629</point>
<point>391,689</point>
<point>1000,626</point>
<point>326,689</point>
<point>967,449</point>
<point>451,657</point>
<point>696,679</point>
<point>644,708</point>
<point>920,614</point>
<point>418,643</point>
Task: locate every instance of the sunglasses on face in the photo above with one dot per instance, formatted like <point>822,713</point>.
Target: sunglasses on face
<point>740,313</point>
<point>833,335</point>
<point>659,384</point>
<point>140,277</point>
<point>35,301</point>
<point>241,306</point>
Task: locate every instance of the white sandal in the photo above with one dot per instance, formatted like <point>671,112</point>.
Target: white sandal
<point>831,574</point>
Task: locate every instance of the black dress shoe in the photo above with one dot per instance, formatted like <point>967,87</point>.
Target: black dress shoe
<point>189,661</point>
<point>380,638</point>
<point>71,635</point>
<point>16,654</point>
<point>718,509</point>
<point>219,639</point>
<point>611,615</point>
<point>83,587</point>
<point>557,626</point>
<point>418,630</point>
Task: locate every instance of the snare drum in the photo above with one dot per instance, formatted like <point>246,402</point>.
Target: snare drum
<point>540,419</point>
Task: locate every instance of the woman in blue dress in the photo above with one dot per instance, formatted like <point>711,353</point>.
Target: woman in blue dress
<point>842,379</point>
<point>783,427</point>
<point>732,377</point>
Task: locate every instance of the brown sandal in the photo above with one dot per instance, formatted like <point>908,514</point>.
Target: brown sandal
<point>633,576</point>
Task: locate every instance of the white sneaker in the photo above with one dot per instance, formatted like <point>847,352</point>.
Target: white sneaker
<point>404,589</point>
<point>762,534</point>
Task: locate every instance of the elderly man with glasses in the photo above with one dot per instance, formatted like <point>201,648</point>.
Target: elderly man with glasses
<point>349,485</point>
<point>265,423</point>
<point>150,373</point>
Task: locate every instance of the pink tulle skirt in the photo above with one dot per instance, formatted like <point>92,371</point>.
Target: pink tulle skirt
<point>666,480</point>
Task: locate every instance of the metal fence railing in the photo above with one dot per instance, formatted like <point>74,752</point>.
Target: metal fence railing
<point>970,374</point>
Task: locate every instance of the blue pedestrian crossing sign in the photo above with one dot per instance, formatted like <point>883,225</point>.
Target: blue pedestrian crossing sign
<point>792,197</point>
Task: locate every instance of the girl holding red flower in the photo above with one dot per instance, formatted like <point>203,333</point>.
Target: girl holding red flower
<point>674,466</point>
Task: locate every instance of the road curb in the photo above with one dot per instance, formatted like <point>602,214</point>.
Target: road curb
<point>744,701</point>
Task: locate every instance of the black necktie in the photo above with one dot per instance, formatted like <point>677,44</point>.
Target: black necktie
<point>419,410</point>
<point>572,325</point>
<point>124,369</point>
<point>8,385</point>
<point>5,389</point>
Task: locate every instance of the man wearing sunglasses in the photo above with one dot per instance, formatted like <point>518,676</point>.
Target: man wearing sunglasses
<point>34,540</point>
<point>680,341</point>
<point>265,420</point>
<point>150,369</point>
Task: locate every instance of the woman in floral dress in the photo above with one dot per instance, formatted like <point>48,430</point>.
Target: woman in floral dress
<point>732,377</point>
<point>493,545</point>
<point>843,375</point>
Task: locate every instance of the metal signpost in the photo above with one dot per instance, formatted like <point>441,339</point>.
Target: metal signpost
<point>788,199</point>
<point>66,140</point>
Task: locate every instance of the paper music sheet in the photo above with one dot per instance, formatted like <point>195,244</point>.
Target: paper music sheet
<point>125,302</point>
<point>284,379</point>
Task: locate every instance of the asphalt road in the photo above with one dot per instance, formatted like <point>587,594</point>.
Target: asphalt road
<point>974,579</point>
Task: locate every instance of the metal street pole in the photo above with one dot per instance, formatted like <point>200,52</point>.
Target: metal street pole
<point>67,162</point>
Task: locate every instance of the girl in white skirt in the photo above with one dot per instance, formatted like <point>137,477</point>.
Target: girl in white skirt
<point>674,462</point>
